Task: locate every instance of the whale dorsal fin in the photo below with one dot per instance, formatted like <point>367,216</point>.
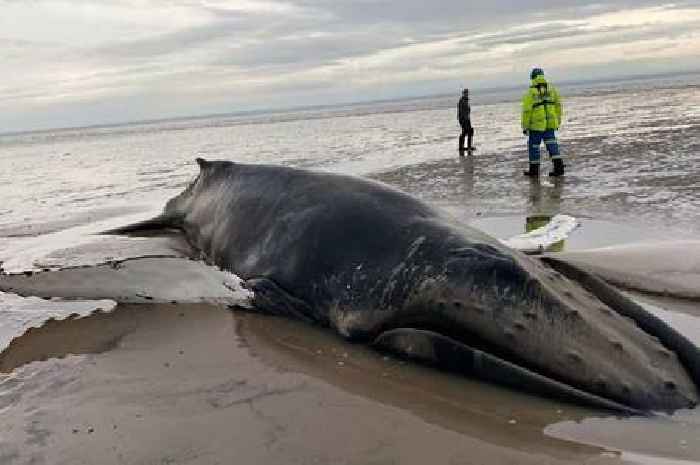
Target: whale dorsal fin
<point>155,226</point>
<point>161,224</point>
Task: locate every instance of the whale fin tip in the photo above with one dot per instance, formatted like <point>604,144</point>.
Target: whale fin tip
<point>154,226</point>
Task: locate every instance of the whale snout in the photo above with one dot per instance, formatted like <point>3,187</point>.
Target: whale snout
<point>538,319</point>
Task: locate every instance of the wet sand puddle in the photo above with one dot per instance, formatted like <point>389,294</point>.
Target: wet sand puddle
<point>200,384</point>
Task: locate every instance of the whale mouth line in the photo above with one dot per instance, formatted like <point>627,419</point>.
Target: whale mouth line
<point>426,344</point>
<point>458,350</point>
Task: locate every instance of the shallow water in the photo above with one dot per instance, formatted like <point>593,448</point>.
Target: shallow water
<point>633,175</point>
<point>625,156</point>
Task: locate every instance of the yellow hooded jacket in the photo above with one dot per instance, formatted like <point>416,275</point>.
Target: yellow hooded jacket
<point>542,108</point>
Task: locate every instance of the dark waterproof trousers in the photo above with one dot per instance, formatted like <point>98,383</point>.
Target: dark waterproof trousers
<point>468,132</point>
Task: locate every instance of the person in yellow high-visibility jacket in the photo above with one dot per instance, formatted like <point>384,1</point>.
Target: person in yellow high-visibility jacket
<point>541,117</point>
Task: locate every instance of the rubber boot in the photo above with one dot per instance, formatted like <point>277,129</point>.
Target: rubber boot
<point>533,171</point>
<point>558,167</point>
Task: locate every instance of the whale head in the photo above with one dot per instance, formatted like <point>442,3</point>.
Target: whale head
<point>509,305</point>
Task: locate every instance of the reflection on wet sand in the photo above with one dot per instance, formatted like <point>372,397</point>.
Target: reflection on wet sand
<point>96,333</point>
<point>545,197</point>
<point>467,175</point>
<point>544,202</point>
<point>535,222</point>
<point>490,413</point>
<point>178,382</point>
<point>655,440</point>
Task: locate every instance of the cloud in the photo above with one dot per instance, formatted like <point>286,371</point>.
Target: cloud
<point>209,55</point>
<point>251,6</point>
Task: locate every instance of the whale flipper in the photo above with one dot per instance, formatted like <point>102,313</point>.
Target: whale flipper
<point>270,298</point>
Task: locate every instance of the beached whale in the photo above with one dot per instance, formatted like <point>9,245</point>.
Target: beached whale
<point>378,265</point>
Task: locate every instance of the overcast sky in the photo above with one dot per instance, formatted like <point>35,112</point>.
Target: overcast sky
<point>82,62</point>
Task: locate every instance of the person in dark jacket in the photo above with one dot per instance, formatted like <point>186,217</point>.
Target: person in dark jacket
<point>464,117</point>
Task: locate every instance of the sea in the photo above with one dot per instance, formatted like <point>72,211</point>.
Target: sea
<point>632,150</point>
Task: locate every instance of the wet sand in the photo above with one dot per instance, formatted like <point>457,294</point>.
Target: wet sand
<point>201,384</point>
<point>191,384</point>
